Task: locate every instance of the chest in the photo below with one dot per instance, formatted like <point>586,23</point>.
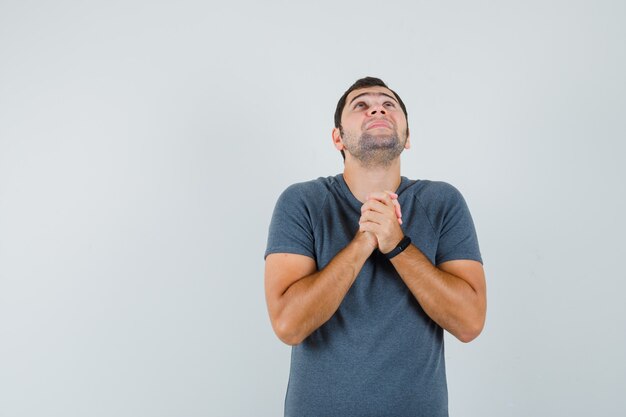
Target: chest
<point>338,223</point>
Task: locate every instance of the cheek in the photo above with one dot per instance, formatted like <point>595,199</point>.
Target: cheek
<point>352,124</point>
<point>401,123</point>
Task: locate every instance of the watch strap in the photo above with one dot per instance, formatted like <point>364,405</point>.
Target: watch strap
<point>404,243</point>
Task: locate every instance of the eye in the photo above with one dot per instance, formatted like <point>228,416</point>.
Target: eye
<point>359,105</point>
<point>390,104</point>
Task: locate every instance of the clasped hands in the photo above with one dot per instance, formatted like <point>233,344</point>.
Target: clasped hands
<point>381,217</point>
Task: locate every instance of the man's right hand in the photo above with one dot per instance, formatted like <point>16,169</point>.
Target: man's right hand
<point>368,239</point>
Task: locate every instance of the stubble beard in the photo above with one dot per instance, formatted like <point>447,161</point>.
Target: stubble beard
<point>374,150</point>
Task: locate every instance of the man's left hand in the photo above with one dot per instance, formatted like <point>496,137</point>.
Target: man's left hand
<point>379,215</point>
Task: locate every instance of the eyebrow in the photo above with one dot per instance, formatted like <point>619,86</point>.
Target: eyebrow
<point>373,94</point>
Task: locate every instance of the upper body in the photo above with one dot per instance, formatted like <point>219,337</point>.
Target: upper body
<point>379,350</point>
<point>367,331</point>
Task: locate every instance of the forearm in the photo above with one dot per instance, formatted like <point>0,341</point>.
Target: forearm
<point>447,299</point>
<point>312,300</point>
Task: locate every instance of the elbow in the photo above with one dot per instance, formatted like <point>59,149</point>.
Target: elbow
<point>474,325</point>
<point>470,332</point>
<point>286,333</point>
<point>467,336</point>
<point>289,339</point>
<point>291,342</point>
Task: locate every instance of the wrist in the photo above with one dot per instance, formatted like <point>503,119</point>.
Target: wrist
<point>365,241</point>
<point>390,243</point>
<point>399,248</point>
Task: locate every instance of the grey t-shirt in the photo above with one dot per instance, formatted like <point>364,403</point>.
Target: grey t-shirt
<point>379,354</point>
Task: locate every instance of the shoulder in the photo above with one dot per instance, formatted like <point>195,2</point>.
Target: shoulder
<point>305,199</point>
<point>430,192</point>
<point>319,185</point>
<point>308,191</point>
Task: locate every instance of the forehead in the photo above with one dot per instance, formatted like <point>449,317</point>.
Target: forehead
<point>376,91</point>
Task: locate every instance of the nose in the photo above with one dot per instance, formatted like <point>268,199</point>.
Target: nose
<point>377,109</point>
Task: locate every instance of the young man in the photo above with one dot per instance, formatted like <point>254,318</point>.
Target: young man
<point>365,269</point>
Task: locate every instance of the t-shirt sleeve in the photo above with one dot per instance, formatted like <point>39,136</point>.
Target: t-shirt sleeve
<point>291,227</point>
<point>457,239</point>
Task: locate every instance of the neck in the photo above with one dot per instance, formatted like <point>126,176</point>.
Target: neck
<point>361,181</point>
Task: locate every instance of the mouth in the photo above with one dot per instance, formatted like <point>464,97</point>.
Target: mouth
<point>378,125</point>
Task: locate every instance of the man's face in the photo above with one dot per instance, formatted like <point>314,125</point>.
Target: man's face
<point>374,127</point>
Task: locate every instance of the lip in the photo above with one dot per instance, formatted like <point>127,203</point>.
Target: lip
<point>378,124</point>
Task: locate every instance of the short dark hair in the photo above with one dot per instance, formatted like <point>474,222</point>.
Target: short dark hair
<point>363,83</point>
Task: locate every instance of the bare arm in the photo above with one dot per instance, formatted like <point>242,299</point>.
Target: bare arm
<point>301,299</point>
<point>458,303</point>
<point>453,295</point>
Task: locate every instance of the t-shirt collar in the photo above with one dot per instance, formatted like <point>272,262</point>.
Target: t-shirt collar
<point>404,183</point>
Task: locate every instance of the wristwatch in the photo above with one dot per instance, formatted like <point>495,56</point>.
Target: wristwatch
<point>404,243</point>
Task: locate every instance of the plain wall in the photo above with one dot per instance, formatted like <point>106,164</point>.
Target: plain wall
<point>143,146</point>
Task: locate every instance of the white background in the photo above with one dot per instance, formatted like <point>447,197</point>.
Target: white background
<point>143,146</point>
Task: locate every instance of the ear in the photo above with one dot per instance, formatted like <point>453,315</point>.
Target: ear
<point>407,145</point>
<point>337,139</point>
